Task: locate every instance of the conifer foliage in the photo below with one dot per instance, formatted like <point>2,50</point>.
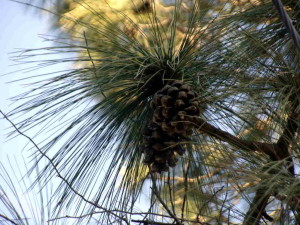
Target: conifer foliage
<point>193,103</point>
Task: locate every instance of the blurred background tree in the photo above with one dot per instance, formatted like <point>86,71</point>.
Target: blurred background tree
<point>195,103</point>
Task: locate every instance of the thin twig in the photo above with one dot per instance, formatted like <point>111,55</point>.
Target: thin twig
<point>113,210</point>
<point>147,222</point>
<point>196,179</point>
<point>58,173</point>
<point>171,191</point>
<point>185,189</point>
<point>155,191</point>
<point>94,67</point>
<point>6,218</point>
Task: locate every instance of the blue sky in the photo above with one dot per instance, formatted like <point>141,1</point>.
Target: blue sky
<point>20,29</point>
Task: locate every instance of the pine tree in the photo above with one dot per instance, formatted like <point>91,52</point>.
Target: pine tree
<point>197,101</point>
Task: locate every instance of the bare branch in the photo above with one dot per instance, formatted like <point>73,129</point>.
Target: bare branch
<point>155,191</point>
<point>270,149</point>
<point>59,174</point>
<point>257,208</point>
<point>9,220</point>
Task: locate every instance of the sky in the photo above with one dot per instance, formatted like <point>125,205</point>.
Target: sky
<point>21,28</point>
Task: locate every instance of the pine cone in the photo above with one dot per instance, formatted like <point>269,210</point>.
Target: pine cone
<point>176,109</point>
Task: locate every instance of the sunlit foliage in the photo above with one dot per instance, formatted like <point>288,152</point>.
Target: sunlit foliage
<point>241,165</point>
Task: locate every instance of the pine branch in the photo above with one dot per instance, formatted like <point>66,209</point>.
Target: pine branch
<point>286,139</point>
<point>257,208</point>
<point>287,22</point>
<point>288,134</point>
<point>276,151</point>
<point>292,126</point>
<point>268,148</point>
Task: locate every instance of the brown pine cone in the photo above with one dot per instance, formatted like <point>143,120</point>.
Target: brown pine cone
<point>176,111</point>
